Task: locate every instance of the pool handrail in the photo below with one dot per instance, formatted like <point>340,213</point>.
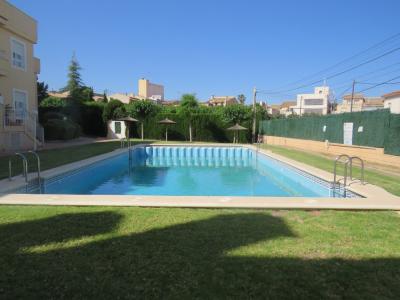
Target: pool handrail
<point>362,168</point>
<point>24,167</point>
<point>346,162</point>
<point>38,169</point>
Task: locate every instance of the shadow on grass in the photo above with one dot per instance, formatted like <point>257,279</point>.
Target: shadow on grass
<point>188,260</point>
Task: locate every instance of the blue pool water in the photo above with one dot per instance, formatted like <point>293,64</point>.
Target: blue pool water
<point>205,171</point>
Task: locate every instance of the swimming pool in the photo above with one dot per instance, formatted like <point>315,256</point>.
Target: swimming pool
<point>191,171</point>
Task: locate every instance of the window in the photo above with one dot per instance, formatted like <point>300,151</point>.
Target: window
<point>18,53</point>
<point>313,101</point>
<point>117,127</point>
<point>20,104</point>
<point>313,111</point>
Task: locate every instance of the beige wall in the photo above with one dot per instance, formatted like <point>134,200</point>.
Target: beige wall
<point>371,154</point>
<point>14,24</point>
<point>22,28</point>
<point>148,90</point>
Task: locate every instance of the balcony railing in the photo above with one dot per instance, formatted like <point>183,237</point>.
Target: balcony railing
<point>13,118</point>
<point>24,121</point>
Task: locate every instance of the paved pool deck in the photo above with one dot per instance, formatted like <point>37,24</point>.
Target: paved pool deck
<point>375,198</point>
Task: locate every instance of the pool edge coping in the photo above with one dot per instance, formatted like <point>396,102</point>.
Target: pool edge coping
<point>376,197</point>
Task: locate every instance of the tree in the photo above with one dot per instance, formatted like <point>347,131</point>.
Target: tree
<point>236,113</point>
<point>87,93</point>
<point>74,84</point>
<point>110,109</point>
<point>241,98</point>
<point>188,106</point>
<point>52,102</point>
<point>105,99</point>
<point>42,93</point>
<point>141,110</point>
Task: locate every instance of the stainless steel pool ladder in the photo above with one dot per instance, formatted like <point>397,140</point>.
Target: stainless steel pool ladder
<point>123,140</point>
<point>348,161</point>
<point>362,168</point>
<point>24,167</point>
<point>38,170</point>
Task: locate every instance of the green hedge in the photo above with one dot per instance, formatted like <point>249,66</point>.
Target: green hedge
<point>392,138</point>
<point>55,129</point>
<point>206,128</point>
<point>92,119</point>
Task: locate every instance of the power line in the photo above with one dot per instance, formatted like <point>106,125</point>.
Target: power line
<point>378,84</point>
<point>345,60</point>
<point>369,83</point>
<point>365,75</point>
<point>342,72</point>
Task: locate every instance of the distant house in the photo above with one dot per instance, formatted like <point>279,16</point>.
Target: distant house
<point>124,98</point>
<point>392,101</point>
<point>358,102</point>
<point>98,97</point>
<point>61,95</point>
<point>273,109</point>
<point>222,101</point>
<point>286,108</point>
<point>316,103</point>
<point>170,102</point>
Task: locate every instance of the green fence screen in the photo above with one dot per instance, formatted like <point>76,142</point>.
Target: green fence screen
<point>392,138</point>
<point>376,128</point>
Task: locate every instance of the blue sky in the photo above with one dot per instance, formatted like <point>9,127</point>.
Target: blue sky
<point>215,47</point>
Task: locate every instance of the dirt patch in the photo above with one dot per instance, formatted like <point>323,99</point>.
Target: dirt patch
<point>279,213</point>
<point>315,213</point>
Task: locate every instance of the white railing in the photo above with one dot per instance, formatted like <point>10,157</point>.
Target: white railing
<point>12,117</point>
<point>27,121</point>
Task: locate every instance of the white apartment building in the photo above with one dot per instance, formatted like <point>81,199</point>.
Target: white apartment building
<point>316,103</point>
<point>392,101</point>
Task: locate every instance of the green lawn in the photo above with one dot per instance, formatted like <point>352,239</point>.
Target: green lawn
<point>97,252</point>
<point>388,182</point>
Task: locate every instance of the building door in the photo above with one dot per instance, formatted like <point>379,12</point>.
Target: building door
<point>20,105</point>
<point>348,133</point>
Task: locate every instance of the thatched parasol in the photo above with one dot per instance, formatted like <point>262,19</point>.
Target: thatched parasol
<point>236,128</point>
<point>166,122</point>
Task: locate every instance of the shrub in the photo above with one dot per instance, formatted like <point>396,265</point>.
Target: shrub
<point>53,115</point>
<point>109,109</point>
<point>92,119</point>
<point>56,129</point>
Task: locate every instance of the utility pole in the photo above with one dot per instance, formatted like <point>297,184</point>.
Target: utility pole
<point>352,96</point>
<point>254,115</point>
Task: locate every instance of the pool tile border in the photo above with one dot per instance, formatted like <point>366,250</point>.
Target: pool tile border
<point>375,197</point>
